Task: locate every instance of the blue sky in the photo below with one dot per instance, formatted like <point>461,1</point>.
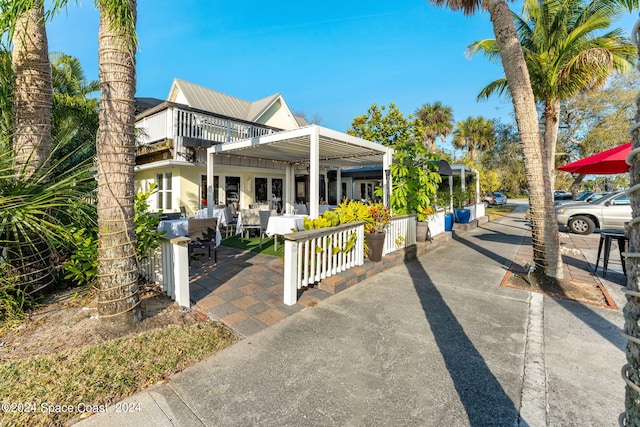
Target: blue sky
<point>332,59</point>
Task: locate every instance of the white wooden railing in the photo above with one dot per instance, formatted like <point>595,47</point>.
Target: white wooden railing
<point>168,266</point>
<point>154,127</point>
<point>401,232</point>
<point>313,255</point>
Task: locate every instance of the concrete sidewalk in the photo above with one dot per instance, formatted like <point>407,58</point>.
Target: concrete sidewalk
<point>434,342</point>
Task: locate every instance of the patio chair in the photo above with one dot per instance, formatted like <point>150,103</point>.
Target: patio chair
<point>264,221</point>
<point>300,209</point>
<point>232,223</point>
<point>202,232</point>
<point>250,220</point>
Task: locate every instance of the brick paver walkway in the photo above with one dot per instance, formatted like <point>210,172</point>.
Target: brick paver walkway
<point>245,290</point>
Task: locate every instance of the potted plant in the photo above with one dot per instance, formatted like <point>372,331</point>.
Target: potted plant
<point>461,214</point>
<point>422,227</point>
<point>375,231</point>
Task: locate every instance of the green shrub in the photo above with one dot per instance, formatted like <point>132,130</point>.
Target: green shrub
<point>82,267</point>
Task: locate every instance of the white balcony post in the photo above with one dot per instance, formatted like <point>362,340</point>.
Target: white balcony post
<point>179,246</point>
<point>387,181</point>
<point>290,272</point>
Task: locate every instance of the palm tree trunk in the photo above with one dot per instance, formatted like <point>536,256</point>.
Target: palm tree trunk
<point>632,308</point>
<point>631,371</point>
<point>551,124</point>
<point>117,267</point>
<point>545,246</point>
<point>32,111</point>
<point>33,96</point>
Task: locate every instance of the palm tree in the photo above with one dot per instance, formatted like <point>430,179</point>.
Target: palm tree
<point>567,49</point>
<point>32,98</point>
<point>75,111</point>
<point>546,252</point>
<point>117,268</point>
<point>31,101</point>
<point>437,120</point>
<point>474,133</point>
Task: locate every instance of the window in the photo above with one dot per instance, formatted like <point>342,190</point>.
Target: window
<point>164,191</point>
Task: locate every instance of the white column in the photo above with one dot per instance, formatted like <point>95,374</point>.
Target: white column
<point>387,180</point>
<point>463,184</point>
<point>451,193</point>
<point>210,190</point>
<point>314,172</point>
<point>338,186</point>
<point>288,192</point>
<point>477,187</point>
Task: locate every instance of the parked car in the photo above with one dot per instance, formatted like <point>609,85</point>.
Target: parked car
<point>610,212</point>
<point>494,198</point>
<point>590,197</point>
<point>562,195</point>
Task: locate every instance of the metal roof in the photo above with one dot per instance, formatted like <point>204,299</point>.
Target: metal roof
<point>336,149</point>
<point>207,99</point>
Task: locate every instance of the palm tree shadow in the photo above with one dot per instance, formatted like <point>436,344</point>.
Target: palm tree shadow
<point>483,397</point>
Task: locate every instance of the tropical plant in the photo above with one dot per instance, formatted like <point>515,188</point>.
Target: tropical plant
<point>34,215</point>
<point>569,48</point>
<point>546,252</point>
<point>380,218</point>
<point>437,120</point>
<point>118,298</point>
<point>82,267</point>
<point>413,171</point>
<point>75,111</point>
<point>474,133</point>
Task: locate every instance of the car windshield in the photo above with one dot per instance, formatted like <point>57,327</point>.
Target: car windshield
<point>605,197</point>
<point>584,196</point>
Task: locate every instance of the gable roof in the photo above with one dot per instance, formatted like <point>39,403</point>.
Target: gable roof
<point>210,100</point>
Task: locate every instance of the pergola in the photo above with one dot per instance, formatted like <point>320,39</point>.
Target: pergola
<point>313,146</point>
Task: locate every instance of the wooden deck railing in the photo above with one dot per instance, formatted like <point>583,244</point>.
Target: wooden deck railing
<point>313,255</point>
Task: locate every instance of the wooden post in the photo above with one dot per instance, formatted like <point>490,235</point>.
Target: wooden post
<point>290,272</point>
<point>180,247</point>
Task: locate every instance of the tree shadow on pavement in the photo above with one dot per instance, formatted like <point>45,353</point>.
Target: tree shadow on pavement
<point>484,399</point>
<point>592,319</point>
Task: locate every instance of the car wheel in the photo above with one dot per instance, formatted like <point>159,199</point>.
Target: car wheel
<point>581,225</point>
<point>486,204</point>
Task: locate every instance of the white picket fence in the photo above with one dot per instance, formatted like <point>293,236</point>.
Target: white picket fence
<point>168,266</point>
<point>313,255</point>
<point>401,233</point>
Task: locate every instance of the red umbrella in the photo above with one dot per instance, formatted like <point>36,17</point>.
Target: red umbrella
<point>608,162</point>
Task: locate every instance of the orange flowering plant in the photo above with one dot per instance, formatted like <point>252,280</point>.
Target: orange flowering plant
<point>380,218</point>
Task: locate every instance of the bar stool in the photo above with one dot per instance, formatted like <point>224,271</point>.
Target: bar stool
<point>606,236</point>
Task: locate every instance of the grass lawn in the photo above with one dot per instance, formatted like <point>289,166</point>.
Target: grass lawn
<point>253,244</point>
<point>498,211</point>
<point>89,379</point>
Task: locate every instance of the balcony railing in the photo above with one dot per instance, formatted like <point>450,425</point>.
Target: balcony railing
<point>190,129</point>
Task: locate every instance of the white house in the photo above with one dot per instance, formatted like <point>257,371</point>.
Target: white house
<point>175,135</point>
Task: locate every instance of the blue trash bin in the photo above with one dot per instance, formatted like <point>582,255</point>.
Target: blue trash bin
<point>448,222</point>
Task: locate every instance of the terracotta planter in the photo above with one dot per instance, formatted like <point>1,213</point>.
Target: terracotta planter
<point>375,242</point>
<point>422,231</point>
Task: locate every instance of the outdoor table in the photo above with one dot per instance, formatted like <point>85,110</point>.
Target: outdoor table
<point>180,227</point>
<point>606,236</point>
<point>284,224</point>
